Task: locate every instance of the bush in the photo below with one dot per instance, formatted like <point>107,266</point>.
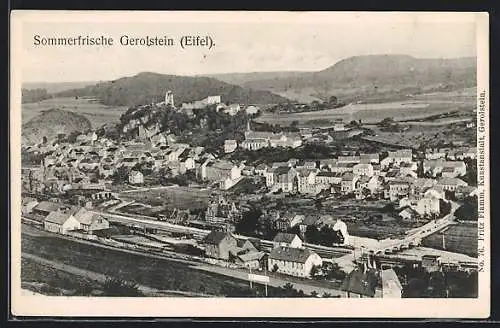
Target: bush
<point>118,287</point>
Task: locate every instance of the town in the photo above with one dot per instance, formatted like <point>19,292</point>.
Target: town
<point>304,211</point>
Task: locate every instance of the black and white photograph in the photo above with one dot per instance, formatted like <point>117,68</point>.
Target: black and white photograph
<point>250,159</point>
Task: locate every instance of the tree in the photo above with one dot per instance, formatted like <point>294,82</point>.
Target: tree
<point>332,101</point>
<point>386,122</point>
<point>444,207</point>
<point>318,204</point>
<point>311,234</point>
<point>120,176</point>
<point>314,293</point>
<point>249,222</point>
<point>468,211</point>
<point>118,287</point>
<point>315,271</point>
<point>471,173</point>
<point>275,269</point>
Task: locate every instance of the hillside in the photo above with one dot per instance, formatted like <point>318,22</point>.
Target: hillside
<point>363,77</point>
<point>53,87</point>
<point>33,95</point>
<point>52,122</point>
<point>147,87</point>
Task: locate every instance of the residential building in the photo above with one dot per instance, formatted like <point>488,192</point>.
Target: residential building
<point>360,283</point>
<point>363,170</point>
<point>90,222</point>
<point>254,143</point>
<point>230,146</point>
<point>221,210</point>
<point>28,203</point>
<point>342,167</point>
<point>397,157</point>
<point>407,214</point>
<point>293,261</point>
<point>451,184</point>
<point>213,170</point>
<point>397,189</point>
<point>219,244</point>
<point>370,158</point>
<point>307,182</point>
<point>287,240</point>
<point>348,183</point>
<point>261,169</point>
<point>44,208</point>
<point>424,206</point>
<point>287,221</point>
<point>431,263</point>
<point>391,286</point>
<point>348,159</point>
<point>450,169</point>
<point>135,177</point>
<point>252,260</point>
<point>326,179</point>
<point>61,222</point>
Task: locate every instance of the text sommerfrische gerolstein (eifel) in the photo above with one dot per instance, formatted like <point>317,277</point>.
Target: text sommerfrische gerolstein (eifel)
<point>86,40</point>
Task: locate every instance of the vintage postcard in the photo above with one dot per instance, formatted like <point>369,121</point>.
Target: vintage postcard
<point>250,164</point>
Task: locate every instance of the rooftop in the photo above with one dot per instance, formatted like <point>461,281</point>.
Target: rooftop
<point>289,254</point>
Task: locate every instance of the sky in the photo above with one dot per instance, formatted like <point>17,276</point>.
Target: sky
<point>244,42</point>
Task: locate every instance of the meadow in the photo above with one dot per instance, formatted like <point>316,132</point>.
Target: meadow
<point>157,273</point>
<point>460,238</point>
<point>98,114</point>
<point>180,197</point>
<point>415,108</point>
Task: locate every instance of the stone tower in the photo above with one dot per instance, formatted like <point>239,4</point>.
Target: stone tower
<point>169,98</point>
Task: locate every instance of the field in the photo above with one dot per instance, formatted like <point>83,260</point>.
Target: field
<point>156,273</point>
<point>180,197</point>
<point>49,281</point>
<point>457,238</point>
<point>429,135</point>
<point>418,107</point>
<point>96,113</point>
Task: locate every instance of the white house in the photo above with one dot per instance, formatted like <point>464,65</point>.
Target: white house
<point>451,184</point>
<point>363,169</point>
<point>135,177</point>
<point>230,146</point>
<point>287,240</point>
<point>61,222</point>
<point>391,286</point>
<point>293,261</point>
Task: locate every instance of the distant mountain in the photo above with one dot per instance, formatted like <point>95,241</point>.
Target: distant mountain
<point>244,78</point>
<point>51,123</point>
<point>33,95</point>
<point>53,87</point>
<point>145,88</point>
<point>366,76</point>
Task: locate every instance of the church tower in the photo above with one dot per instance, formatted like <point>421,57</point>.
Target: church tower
<point>169,98</point>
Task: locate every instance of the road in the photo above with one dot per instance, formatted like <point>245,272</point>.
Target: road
<point>416,235</point>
